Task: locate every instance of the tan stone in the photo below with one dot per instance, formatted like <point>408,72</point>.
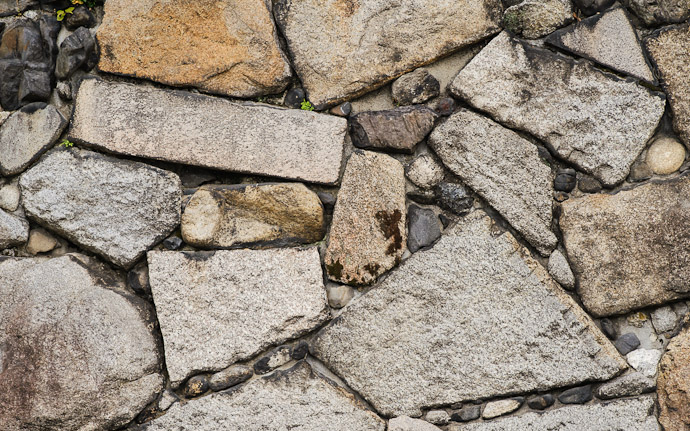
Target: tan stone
<point>673,384</point>
<point>368,233</point>
<point>259,214</point>
<point>226,47</point>
<point>40,241</point>
<point>665,156</point>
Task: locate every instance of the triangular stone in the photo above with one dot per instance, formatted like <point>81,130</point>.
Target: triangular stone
<point>608,39</point>
<point>474,317</point>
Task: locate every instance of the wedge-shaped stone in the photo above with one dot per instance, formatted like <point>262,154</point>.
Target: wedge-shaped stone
<point>76,348</point>
<point>590,118</point>
<point>217,308</point>
<point>629,250</point>
<point>115,208</point>
<point>608,39</point>
<point>13,230</point>
<point>473,317</point>
<point>227,47</point>
<point>207,131</point>
<point>628,414</point>
<point>504,169</point>
<point>362,44</point>
<point>298,399</point>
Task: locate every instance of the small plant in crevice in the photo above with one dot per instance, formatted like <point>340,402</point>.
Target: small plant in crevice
<point>306,105</point>
<point>66,143</point>
<point>62,13</point>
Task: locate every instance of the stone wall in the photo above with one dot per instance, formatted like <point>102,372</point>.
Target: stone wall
<point>410,215</point>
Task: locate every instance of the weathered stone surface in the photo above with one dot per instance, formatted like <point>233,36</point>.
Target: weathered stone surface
<point>668,50</point>
<point>272,360</point>
<point>207,131</point>
<point>406,423</point>
<point>590,7</point>
<point>81,16</point>
<point>40,241</point>
<point>659,11</point>
<point>361,44</point>
<point>10,196</point>
<point>217,308</point>
<point>13,7</point>
<point>628,250</point>
<point>620,415</point>
<point>559,268</point>
<point>369,229</point>
<point>467,413</point>
<point>608,39</point>
<point>533,19</point>
<point>673,384</point>
<point>644,360</point>
<point>504,169</point>
<point>437,417</point>
<point>541,402</point>
<point>27,134</point>
<point>13,230</point>
<point>664,319</point>
<point>257,214</point>
<point>76,348</point>
<point>230,377</point>
<point>425,171</point>
<point>590,118</point>
<point>115,208</point>
<point>627,342</point>
<point>77,51</point>
<point>665,156</point>
<point>498,408</point>
<point>404,345</point>
<point>339,295</point>
<point>628,385</point>
<point>226,47</point>
<point>298,399</point>
<point>415,87</point>
<point>423,228</point>
<point>399,129</point>
<point>578,395</point>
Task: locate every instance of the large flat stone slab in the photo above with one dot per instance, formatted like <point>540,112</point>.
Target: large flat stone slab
<point>629,250</point>
<point>362,44</point>
<point>298,399</point>
<point>206,131</point>
<point>590,118</point>
<point>217,308</point>
<point>76,347</point>
<point>473,317</point>
<point>227,47</point>
<point>115,208</point>
<point>504,168</point>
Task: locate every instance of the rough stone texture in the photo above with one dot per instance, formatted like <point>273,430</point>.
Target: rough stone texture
<point>10,196</point>
<point>425,171</point>
<point>559,268</point>
<point>227,47</point>
<point>628,250</point>
<point>663,319</point>
<point>13,7</point>
<point>398,130</point>
<point>498,408</point>
<point>415,87</point>
<point>40,241</point>
<point>626,343</point>
<point>230,377</point>
<point>257,214</point>
<point>628,385</point>
<point>656,12</point>
<point>437,417</point>
<point>673,384</point>
<point>339,295</point>
<point>297,399</point>
<point>423,228</point>
<point>404,346</point>
<point>533,19</point>
<point>406,423</point>
<point>77,51</point>
<point>590,118</point>
<point>362,44</point>
<point>217,308</point>
<point>665,156</point>
<point>541,402</point>
<point>504,169</point>
<point>668,50</point>
<point>13,230</point>
<point>467,413</point>
<point>608,39</point>
<point>620,415</point>
<point>644,360</point>
<point>369,229</point>
<point>115,208</point>
<point>27,134</point>
<point>81,16</point>
<point>590,7</point>
<point>208,131</point>
<point>76,348</point>
<point>578,395</point>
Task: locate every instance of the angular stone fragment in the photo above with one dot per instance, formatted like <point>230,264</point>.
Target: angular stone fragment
<point>369,229</point>
<point>590,118</point>
<point>217,308</point>
<point>533,19</point>
<point>655,12</point>
<point>257,214</point>
<point>13,230</point>
<point>40,241</point>
<point>297,399</point>
<point>27,134</point>
<point>560,270</point>
<point>77,51</point>
<point>644,360</point>
<point>473,317</point>
<point>415,87</point>
<point>590,7</point>
<point>227,47</point>
<point>206,131</point>
<point>423,227</point>
<point>504,169</point>
<point>668,49</point>
<point>673,384</point>
<point>362,44</point>
<point>628,385</point>
<point>115,208</point>
<point>76,348</point>
<point>628,250</point>
<point>398,130</point>
<point>628,414</point>
<point>608,39</point>
<point>663,319</point>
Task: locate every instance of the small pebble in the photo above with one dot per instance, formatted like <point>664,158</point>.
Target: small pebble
<point>9,197</point>
<point>608,328</point>
<point>444,106</point>
<point>454,198</point>
<point>565,180</point>
<point>294,98</point>
<point>626,343</point>
<point>640,171</point>
<point>588,184</point>
<point>561,196</point>
<point>590,7</point>
<point>665,156</point>
<point>495,409</point>
<point>541,402</point>
<point>423,228</point>
<point>64,89</point>
<point>415,87</point>
<point>424,197</point>
<point>230,377</point>
<point>437,417</point>
<point>300,350</point>
<point>138,279</point>
<point>196,386</point>
<point>425,171</point>
<point>172,242</point>
<point>644,360</point>
<point>339,295</point>
<point>467,413</point>
<point>664,319</point>
<point>342,110</point>
<point>40,241</point>
<point>327,199</point>
<point>81,16</point>
<point>579,395</point>
<point>560,270</point>
<point>277,358</point>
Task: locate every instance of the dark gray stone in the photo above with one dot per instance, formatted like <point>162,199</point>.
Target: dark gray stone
<point>172,242</point>
<point>196,386</point>
<point>589,184</point>
<point>138,279</point>
<point>656,12</point>
<point>415,87</point>
<point>398,130</point>
<point>77,51</point>
<point>590,7</point>
<point>444,106</point>
<point>81,16</point>
<point>467,413</point>
<point>422,228</point>
<point>276,358</point>
<point>294,98</point>
<point>299,351</point>
<point>579,395</point>
<point>454,198</point>
<point>565,180</point>
<point>608,329</point>
<point>540,402</point>
<point>626,343</point>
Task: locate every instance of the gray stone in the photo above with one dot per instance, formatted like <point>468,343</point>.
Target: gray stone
<point>532,19</point>
<point>229,377</point>
<point>14,7</point>
<point>399,129</point>
<point>453,197</point>
<point>81,16</point>
<point>579,395</point>
<point>587,184</point>
<point>559,101</point>
<point>369,230</point>
<point>541,402</point>
<point>423,228</point>
<point>590,7</point>
<point>560,270</point>
<point>437,417</point>
<point>26,134</point>
<point>425,171</point>
<point>207,131</point>
<point>339,295</point>
<point>365,43</point>
<point>654,13</point>
<point>664,319</point>
<point>608,39</point>
<point>76,347</point>
<point>467,413</point>
<point>504,169</point>
<point>628,385</point>
<point>644,360</point>
<point>9,196</point>
<point>406,423</point>
<point>298,399</point>
<point>494,409</point>
<point>14,230</point>
<point>473,317</point>
<point>640,171</point>
<point>620,415</point>
<point>626,343</point>
<point>631,262</point>
<point>115,208</point>
<point>415,87</point>
<point>77,51</point>
<point>217,308</point>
